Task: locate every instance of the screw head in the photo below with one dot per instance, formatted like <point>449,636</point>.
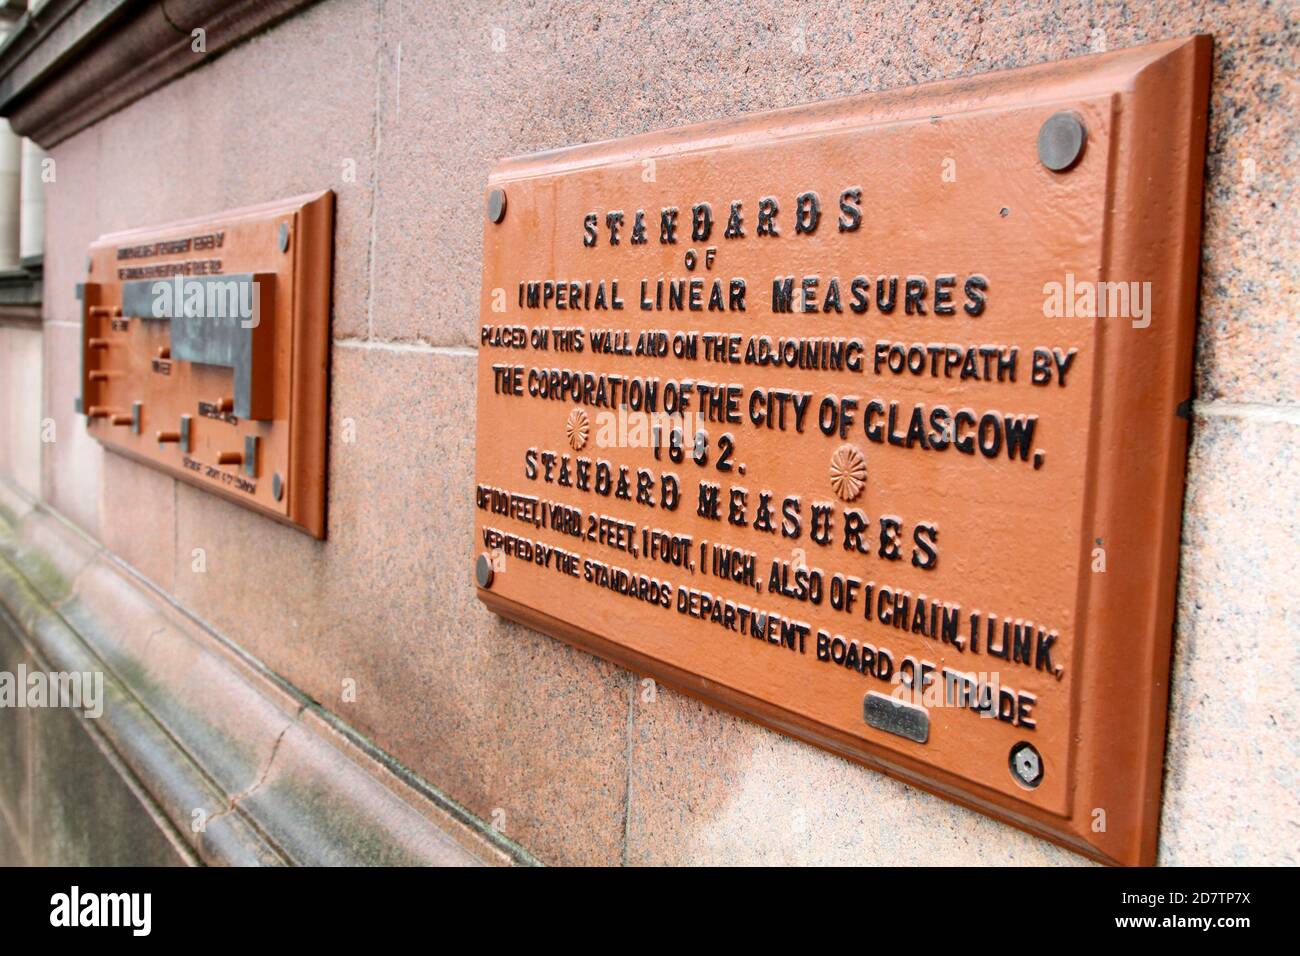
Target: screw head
<point>496,205</point>
<point>1061,140</point>
<point>483,571</point>
<point>277,486</point>
<point>1026,765</point>
<point>284,237</point>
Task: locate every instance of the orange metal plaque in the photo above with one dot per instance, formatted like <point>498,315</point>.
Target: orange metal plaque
<point>205,351</point>
<point>868,420</point>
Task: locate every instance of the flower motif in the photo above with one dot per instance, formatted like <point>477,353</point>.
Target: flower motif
<point>576,429</point>
<point>848,472</point>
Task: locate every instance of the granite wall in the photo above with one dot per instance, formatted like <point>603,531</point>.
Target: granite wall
<point>401,108</point>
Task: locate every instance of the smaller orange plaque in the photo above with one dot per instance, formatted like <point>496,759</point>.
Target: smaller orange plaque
<point>205,346</point>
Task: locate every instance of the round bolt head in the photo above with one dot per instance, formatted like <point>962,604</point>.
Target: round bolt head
<point>1026,765</point>
<point>277,486</point>
<point>1061,140</point>
<point>284,237</point>
<point>483,571</point>
<point>496,205</point>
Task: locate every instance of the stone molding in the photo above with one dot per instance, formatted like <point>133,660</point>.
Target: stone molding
<point>20,292</point>
<point>76,61</point>
<point>194,724</point>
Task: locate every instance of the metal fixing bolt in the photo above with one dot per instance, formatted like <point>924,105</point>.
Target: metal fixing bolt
<point>496,205</point>
<point>483,571</point>
<point>284,237</point>
<point>1026,765</point>
<point>1061,140</point>
<point>277,486</point>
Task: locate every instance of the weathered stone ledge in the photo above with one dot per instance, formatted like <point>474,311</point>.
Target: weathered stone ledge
<point>76,61</point>
<point>202,733</point>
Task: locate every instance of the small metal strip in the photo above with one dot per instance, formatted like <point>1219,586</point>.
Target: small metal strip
<point>85,293</point>
<point>896,717</point>
<point>250,455</point>
<point>214,321</point>
<point>185,434</point>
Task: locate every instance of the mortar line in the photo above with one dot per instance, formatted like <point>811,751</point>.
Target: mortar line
<point>1286,413</point>
<point>380,345</point>
<point>375,153</point>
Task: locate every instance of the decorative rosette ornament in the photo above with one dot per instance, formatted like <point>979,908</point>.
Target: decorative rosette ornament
<point>848,472</point>
<point>577,428</point>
